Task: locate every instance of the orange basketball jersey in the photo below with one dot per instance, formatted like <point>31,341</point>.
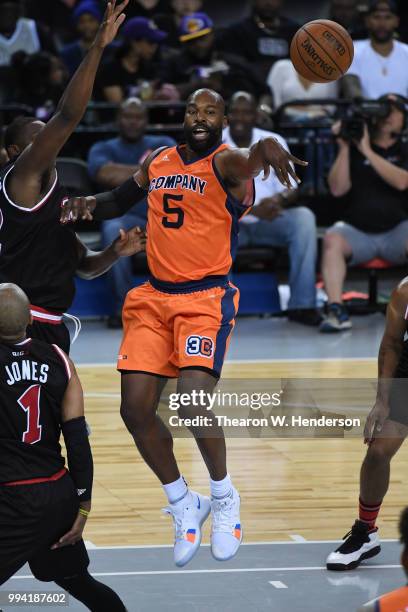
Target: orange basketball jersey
<point>192,229</point>
<point>396,601</point>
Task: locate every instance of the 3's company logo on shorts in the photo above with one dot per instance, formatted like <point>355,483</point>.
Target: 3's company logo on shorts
<point>122,357</point>
<point>199,345</point>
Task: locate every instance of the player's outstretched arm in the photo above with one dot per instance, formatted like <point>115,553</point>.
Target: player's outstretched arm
<point>93,263</point>
<point>79,453</point>
<point>388,358</point>
<point>236,165</point>
<point>110,204</point>
<point>39,158</point>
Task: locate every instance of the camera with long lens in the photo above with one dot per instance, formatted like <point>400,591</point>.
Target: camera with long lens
<point>364,112</point>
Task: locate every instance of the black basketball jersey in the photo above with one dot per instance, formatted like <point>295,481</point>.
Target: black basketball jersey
<point>36,251</point>
<point>33,379</point>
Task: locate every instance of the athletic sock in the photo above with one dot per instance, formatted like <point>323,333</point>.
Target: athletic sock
<point>95,595</point>
<point>176,490</point>
<point>221,488</point>
<point>368,513</point>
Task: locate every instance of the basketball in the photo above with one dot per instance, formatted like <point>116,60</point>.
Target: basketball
<point>322,51</point>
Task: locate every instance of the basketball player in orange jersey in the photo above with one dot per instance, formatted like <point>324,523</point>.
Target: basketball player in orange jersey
<point>396,601</point>
<point>385,431</point>
<point>178,324</point>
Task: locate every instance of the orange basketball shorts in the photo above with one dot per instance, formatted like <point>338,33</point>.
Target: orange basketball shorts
<point>163,332</point>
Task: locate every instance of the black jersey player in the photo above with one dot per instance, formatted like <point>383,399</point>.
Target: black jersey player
<point>36,252</point>
<point>43,507</point>
<point>385,431</point>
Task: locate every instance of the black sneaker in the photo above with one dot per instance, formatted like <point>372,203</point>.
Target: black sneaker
<point>359,544</point>
<point>337,319</point>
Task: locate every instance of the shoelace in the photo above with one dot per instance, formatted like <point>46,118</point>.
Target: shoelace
<point>352,538</point>
<point>222,515</point>
<point>179,532</point>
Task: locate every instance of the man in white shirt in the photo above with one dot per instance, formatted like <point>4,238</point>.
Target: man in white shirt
<point>380,62</point>
<point>272,222</point>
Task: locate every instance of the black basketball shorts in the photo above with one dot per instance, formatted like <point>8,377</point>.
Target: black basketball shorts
<point>32,518</point>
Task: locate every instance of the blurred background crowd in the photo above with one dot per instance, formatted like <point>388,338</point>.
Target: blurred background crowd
<point>169,48</point>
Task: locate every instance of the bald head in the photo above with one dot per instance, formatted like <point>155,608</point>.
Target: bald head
<point>243,96</point>
<point>242,117</point>
<point>207,96</point>
<point>132,119</point>
<point>14,312</point>
<point>133,102</point>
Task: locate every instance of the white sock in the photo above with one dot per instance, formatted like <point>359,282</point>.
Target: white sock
<point>176,490</point>
<point>221,488</point>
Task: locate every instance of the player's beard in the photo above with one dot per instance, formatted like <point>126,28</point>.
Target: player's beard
<point>382,36</point>
<point>214,137</point>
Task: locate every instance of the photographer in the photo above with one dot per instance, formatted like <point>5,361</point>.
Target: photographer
<point>373,173</point>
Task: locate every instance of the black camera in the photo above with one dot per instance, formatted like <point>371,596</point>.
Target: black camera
<point>364,112</point>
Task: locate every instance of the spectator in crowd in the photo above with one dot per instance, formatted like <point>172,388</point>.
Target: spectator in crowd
<point>41,81</point>
<point>263,38</point>
<point>346,13</point>
<point>111,163</point>
<point>199,64</point>
<point>373,174</point>
<point>87,17</point>
<point>287,84</point>
<point>171,22</point>
<point>398,599</point>
<point>134,69</point>
<point>380,62</point>
<point>18,33</point>
<point>275,221</point>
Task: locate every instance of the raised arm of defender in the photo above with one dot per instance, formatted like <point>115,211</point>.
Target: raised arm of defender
<point>110,204</point>
<point>33,172</point>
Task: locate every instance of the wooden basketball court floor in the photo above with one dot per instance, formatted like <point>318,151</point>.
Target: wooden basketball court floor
<point>290,488</point>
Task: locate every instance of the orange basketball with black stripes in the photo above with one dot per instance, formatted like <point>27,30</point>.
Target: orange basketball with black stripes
<point>322,51</point>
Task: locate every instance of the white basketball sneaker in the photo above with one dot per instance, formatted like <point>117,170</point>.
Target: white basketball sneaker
<point>226,532</point>
<point>188,516</point>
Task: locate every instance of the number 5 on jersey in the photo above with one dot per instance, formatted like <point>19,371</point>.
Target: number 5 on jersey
<point>175,214</point>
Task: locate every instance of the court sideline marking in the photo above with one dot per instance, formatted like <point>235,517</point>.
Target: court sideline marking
<point>238,570</point>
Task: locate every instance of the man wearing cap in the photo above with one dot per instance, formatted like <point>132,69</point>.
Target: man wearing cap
<point>134,68</point>
<point>199,64</point>
<point>380,62</point>
<point>87,16</point>
<point>170,22</point>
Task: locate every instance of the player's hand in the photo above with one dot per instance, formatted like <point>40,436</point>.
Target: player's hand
<point>80,208</point>
<point>277,157</point>
<point>375,420</point>
<point>130,242</point>
<point>74,535</point>
<point>268,209</point>
<point>112,20</point>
